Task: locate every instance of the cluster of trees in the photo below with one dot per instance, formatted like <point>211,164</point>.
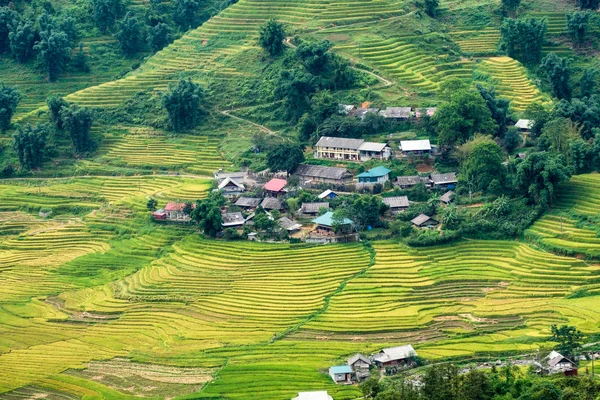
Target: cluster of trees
<point>523,39</point>
<point>445,382</point>
<point>9,100</point>
<point>48,38</point>
<point>182,103</point>
<point>207,213</point>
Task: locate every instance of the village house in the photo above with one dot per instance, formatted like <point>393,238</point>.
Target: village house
<point>397,113</point>
<point>271,203</point>
<point>233,220</point>
<point>230,187</point>
<point>556,363</point>
<point>424,221</point>
<point>407,182</point>
<point>172,212</point>
<point>361,112</point>
<point>415,147</point>
<point>248,202</point>
<point>447,181</point>
<point>313,208</point>
<point>447,197</point>
<point>360,366</point>
<point>397,203</point>
<point>220,176</point>
<point>341,374</point>
<point>311,174</point>
<point>328,194</point>
<point>318,395</point>
<point>324,223</point>
<point>395,356</point>
<point>346,108</point>
<point>289,225</point>
<point>347,149</point>
<point>374,176</point>
<point>275,187</point>
<point>428,111</point>
<point>524,125</point>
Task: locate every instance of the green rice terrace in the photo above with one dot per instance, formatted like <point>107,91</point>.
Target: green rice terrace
<point>103,295</point>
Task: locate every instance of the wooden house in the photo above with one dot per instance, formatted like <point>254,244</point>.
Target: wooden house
<point>396,203</point>
<point>313,208</point>
<point>374,176</point>
<point>415,147</point>
<point>395,356</point>
<point>174,212</point>
<point>407,182</point>
<point>328,194</point>
<point>271,203</point>
<point>397,113</point>
<point>447,197</point>
<point>424,221</point>
<point>556,363</point>
<point>362,112</point>
<point>524,125</point>
<point>341,374</point>
<point>230,186</point>
<point>447,180</point>
<point>312,174</point>
<point>248,202</point>
<point>233,220</point>
<point>289,225</point>
<point>275,187</point>
<point>360,366</point>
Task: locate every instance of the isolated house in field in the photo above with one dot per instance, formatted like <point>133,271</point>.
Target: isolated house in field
<point>360,366</point>
<point>361,112</point>
<point>397,113</point>
<point>524,125</point>
<point>288,224</point>
<point>447,197</point>
<point>447,181</point>
<point>275,187</point>
<point>328,194</point>
<point>374,176</point>
<point>397,203</point>
<point>415,147</point>
<point>174,212</point>
<point>230,186</point>
<point>271,203</point>
<point>318,395</point>
<point>424,221</point>
<point>337,148</point>
<point>395,356</point>
<point>407,182</point>
<point>233,220</point>
<point>310,174</point>
<point>313,208</point>
<point>428,111</point>
<point>341,374</point>
<point>248,202</point>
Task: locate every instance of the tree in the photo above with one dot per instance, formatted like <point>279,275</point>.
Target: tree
<point>78,122</point>
<point>498,108</point>
<point>188,207</point>
<point>55,104</point>
<point>512,139</point>
<point>588,82</point>
<point>186,13</point>
<point>182,103</point>
<point>130,35</point>
<point>263,222</point>
<point>8,19</point>
<point>208,213</point>
<point>539,174</point>
<point>295,89</point>
<point>371,387</point>
<point>556,72</point>
<point>523,39</point>
<point>483,162</point>
<point>22,40</point>
<point>81,62</point>
<point>542,390</point>
<point>285,157</point>
<point>271,37</point>
<point>106,12</point>
<point>323,105</point>
<point>151,204</point>
<point>366,211</point>
<point>464,115</point>
<point>559,132</point>
<point>583,112</point>
<point>431,7</point>
<point>568,338</point>
<point>9,99</point>
<point>589,4</point>
<point>578,24</point>
<point>537,113</point>
<point>510,7</point>
<point>29,144</point>
<point>159,36</point>
<point>53,52</point>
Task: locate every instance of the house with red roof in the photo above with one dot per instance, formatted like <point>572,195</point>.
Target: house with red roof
<point>173,211</point>
<point>275,187</point>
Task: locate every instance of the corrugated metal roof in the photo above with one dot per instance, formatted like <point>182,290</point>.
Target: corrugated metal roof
<point>319,171</point>
<point>372,146</point>
<point>395,353</point>
<point>233,219</point>
<point>439,179</point>
<point>415,145</point>
<point>375,172</point>
<point>524,123</point>
<point>327,220</point>
<point>275,185</point>
<point>447,197</point>
<point>420,219</point>
<point>397,112</point>
<point>339,143</point>
<point>340,369</point>
<point>248,202</point>
<point>312,208</point>
<point>396,201</point>
<point>271,203</point>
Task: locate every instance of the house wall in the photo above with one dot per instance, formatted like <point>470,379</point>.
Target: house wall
<point>316,179</point>
<point>337,153</point>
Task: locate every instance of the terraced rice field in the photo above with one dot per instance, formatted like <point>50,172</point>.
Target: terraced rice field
<point>509,78</point>
<point>481,42</point>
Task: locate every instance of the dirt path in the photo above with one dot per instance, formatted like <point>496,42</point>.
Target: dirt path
<point>259,126</point>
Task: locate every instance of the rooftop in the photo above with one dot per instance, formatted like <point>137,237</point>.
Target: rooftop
<point>415,145</point>
<point>524,123</point>
<point>339,143</point>
<point>396,201</point>
<point>288,224</point>
<point>447,197</point>
<point>275,185</point>
<point>326,193</point>
<point>313,208</point>
<point>420,219</point>
<point>327,220</point>
<point>173,206</point>
<point>340,369</point>
<point>438,179</point>
<point>411,180</point>
<point>233,219</point>
<point>357,357</point>
<point>372,146</point>
<point>397,112</point>
<point>271,203</point>
<point>375,172</point>
<point>248,202</point>
<point>319,171</point>
<point>230,180</point>
<point>395,353</point>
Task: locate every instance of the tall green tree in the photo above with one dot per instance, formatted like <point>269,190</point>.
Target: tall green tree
<point>462,117</point>
<point>556,71</point>
<point>483,162</point>
<point>569,340</point>
<point>130,35</point>
<point>22,40</point>
<point>182,103</point>
<point>55,104</point>
<point>589,4</point>
<point>9,99</point>
<point>208,214</point>
<point>29,143</point>
<point>285,157</point>
<point>510,7</point>
<point>539,174</point>
<point>187,13</point>
<point>271,37</point>
<point>498,107</point>
<point>295,88</point>
<point>159,36</point>
<point>78,122</point>
<point>8,19</point>
<point>431,7</point>
<point>53,52</point>
<point>523,39</point>
<point>559,132</point>
<point>107,12</point>
<point>578,24</point>
<point>588,82</point>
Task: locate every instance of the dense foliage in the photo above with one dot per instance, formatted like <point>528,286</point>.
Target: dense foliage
<point>523,39</point>
<point>182,103</point>
<point>9,99</point>
<point>29,144</point>
<point>271,36</point>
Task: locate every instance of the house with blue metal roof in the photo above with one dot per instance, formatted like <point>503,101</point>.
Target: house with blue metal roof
<point>341,373</point>
<point>325,221</point>
<point>374,176</point>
